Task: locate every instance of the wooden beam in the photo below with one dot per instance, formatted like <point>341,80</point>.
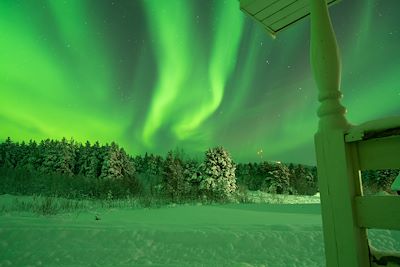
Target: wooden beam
<point>379,153</point>
<point>380,212</point>
<point>277,15</point>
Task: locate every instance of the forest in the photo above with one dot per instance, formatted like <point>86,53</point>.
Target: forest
<point>66,168</point>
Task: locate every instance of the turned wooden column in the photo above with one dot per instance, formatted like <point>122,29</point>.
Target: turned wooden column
<point>338,174</point>
<point>326,68</point>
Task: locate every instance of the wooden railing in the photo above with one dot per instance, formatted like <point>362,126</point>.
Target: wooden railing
<point>342,150</point>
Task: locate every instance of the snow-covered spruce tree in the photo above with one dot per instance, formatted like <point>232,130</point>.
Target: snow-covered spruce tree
<point>116,163</point>
<point>277,179</point>
<point>138,162</point>
<point>153,164</point>
<point>173,180</point>
<point>21,155</point>
<point>32,160</point>
<point>218,180</point>
<point>47,156</point>
<point>127,167</point>
<point>117,176</point>
<point>192,172</point>
<point>27,156</point>
<point>112,164</point>
<point>82,159</point>
<point>96,159</point>
<point>130,181</point>
<point>65,159</point>
<point>249,176</point>
<point>374,180</point>
<point>8,154</point>
<point>385,178</point>
<point>313,188</point>
<point>55,157</point>
<point>302,180</point>
<point>292,178</point>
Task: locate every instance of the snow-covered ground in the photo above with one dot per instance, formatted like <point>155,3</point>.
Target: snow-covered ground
<point>178,235</point>
<point>262,197</point>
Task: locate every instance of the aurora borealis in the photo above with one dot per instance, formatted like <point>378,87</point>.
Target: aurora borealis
<point>154,75</point>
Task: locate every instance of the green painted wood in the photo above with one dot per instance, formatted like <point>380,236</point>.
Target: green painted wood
<point>283,12</point>
<point>375,128</point>
<point>379,153</point>
<point>325,63</point>
<point>255,6</point>
<point>381,212</point>
<point>289,19</point>
<point>276,7</point>
<point>274,18</point>
<point>327,205</point>
<point>346,244</point>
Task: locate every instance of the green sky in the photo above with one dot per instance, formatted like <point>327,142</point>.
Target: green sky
<point>154,75</point>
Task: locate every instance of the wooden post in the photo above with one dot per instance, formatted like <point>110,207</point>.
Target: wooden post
<point>326,68</point>
<point>339,180</point>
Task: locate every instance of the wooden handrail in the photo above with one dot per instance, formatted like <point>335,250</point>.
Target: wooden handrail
<point>380,212</point>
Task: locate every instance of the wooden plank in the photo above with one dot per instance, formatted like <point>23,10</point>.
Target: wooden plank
<point>260,10</point>
<point>290,19</point>
<point>289,10</point>
<point>346,244</point>
<point>379,153</point>
<point>279,6</point>
<point>380,212</point>
<point>376,128</point>
<point>255,6</point>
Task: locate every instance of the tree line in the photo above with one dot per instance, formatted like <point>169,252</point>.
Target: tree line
<point>102,168</point>
<point>99,169</point>
<point>67,157</point>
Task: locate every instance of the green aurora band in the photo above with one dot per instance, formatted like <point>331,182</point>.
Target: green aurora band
<point>155,75</point>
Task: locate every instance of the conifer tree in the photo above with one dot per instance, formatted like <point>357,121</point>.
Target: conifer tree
<point>112,164</point>
<point>78,158</point>
<point>277,179</point>
<point>218,178</point>
<point>22,155</point>
<point>303,181</point>
<point>292,178</point>
<point>159,163</point>
<point>95,161</point>
<point>138,162</point>
<point>239,170</point>
<point>151,165</point>
<point>192,172</point>
<point>9,150</point>
<point>83,159</point>
<point>65,157</point>
<point>127,166</point>
<point>48,156</point>
<point>264,178</point>
<point>173,180</point>
<point>385,178</point>
<point>32,157</point>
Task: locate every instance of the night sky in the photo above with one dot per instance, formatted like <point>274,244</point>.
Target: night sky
<point>154,75</point>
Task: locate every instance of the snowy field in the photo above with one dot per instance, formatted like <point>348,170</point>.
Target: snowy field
<point>260,234</point>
